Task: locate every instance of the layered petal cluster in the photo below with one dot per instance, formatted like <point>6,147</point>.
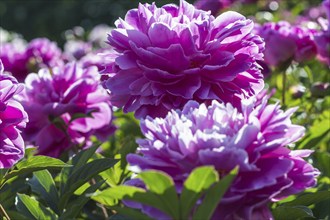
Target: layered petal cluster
<point>173,54</point>
<point>43,53</point>
<point>13,58</point>
<point>66,105</point>
<point>39,53</point>
<point>286,42</point>
<point>256,139</point>
<point>13,119</point>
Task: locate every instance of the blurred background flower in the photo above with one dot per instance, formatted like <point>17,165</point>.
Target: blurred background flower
<point>66,105</point>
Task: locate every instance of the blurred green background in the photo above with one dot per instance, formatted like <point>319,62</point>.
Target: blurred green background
<point>50,18</point>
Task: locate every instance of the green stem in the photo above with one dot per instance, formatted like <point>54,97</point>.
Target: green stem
<point>3,211</point>
<point>283,87</point>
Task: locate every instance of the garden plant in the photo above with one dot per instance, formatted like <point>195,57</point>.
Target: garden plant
<point>213,109</point>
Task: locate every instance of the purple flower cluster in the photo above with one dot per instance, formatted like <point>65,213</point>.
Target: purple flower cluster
<point>13,119</point>
<point>286,42</point>
<point>39,53</point>
<point>66,105</point>
<point>173,54</point>
<point>256,139</point>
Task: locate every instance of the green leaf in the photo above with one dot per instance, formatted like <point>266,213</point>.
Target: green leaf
<point>129,193</point>
<point>43,184</point>
<point>3,172</point>
<point>309,199</point>
<point>120,192</point>
<point>322,161</point>
<point>16,215</point>
<point>130,213</point>
<point>74,207</point>
<point>82,115</point>
<point>78,161</point>
<point>9,191</point>
<point>83,156</point>
<point>162,185</point>
<point>292,212</point>
<point>33,209</point>
<point>317,133</point>
<point>34,163</point>
<point>114,175</point>
<point>198,181</point>
<point>82,175</point>
<point>213,196</point>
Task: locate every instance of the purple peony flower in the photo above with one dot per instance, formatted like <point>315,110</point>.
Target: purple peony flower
<point>13,119</point>
<point>66,106</point>
<point>23,59</point>
<point>43,53</point>
<point>256,139</point>
<point>285,42</point>
<point>14,59</point>
<point>173,54</point>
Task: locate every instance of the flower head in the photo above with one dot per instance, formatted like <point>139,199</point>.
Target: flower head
<point>13,119</point>
<point>66,106</point>
<point>256,139</point>
<point>43,53</point>
<point>21,59</point>
<point>13,58</point>
<point>173,54</point>
<point>285,42</point>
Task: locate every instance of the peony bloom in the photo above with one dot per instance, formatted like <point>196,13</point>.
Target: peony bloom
<point>21,59</point>
<point>13,119</point>
<point>13,58</point>
<point>173,54</point>
<point>66,106</point>
<point>285,42</point>
<point>256,139</point>
<point>43,53</point>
